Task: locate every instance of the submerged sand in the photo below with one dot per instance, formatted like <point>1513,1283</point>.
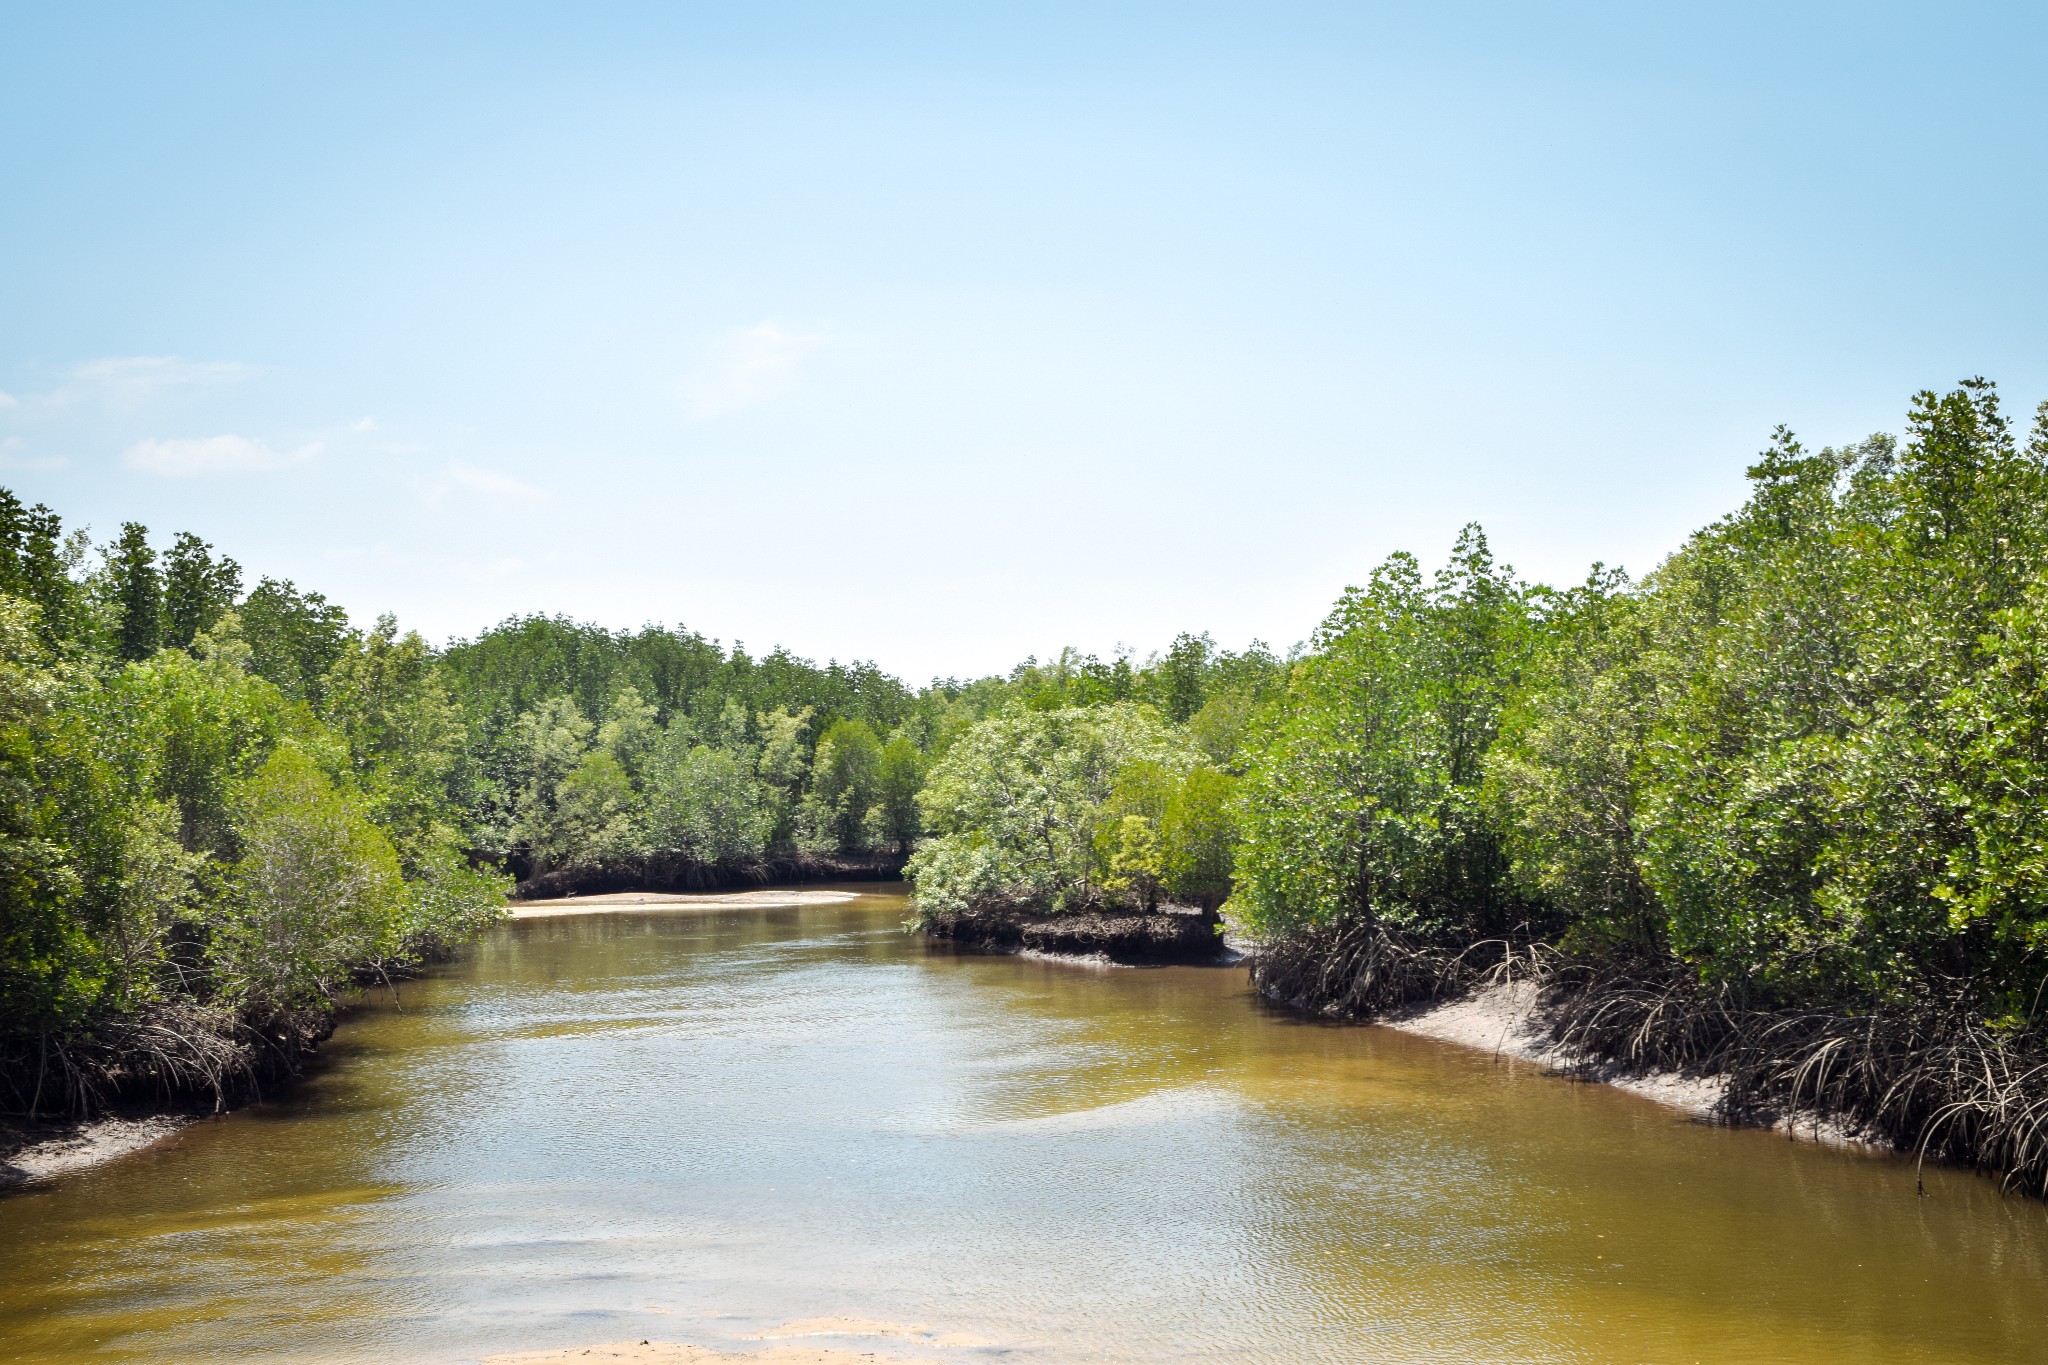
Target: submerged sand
<point>774,898</point>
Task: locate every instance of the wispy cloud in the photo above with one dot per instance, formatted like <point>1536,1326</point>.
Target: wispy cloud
<point>133,379</point>
<point>749,365</point>
<point>8,400</point>
<point>11,456</point>
<point>366,424</point>
<point>178,459</point>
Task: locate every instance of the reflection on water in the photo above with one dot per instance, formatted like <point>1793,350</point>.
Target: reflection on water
<point>698,1125</point>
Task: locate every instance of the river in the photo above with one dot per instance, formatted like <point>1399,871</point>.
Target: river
<point>702,1125</point>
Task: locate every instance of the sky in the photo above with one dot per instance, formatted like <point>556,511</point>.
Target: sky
<point>943,335</point>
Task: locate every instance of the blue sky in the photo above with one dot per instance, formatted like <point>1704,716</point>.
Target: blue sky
<point>944,334</point>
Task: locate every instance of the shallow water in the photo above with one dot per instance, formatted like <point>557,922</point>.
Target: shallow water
<point>696,1126</point>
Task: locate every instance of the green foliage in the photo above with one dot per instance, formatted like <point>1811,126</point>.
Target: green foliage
<point>1180,676</point>
<point>899,775</point>
<point>525,661</point>
<point>33,567</point>
<point>186,851</point>
<point>136,594</point>
<point>1362,791</point>
<point>1136,865</point>
<point>1017,805</point>
<point>552,740</point>
<point>404,736</point>
<point>1561,778</point>
<point>198,589</point>
<point>294,637</point>
<point>704,803</point>
<point>597,813</point>
<point>1827,785</point>
<point>846,775</point>
<point>315,894</point>
<point>1197,831</point>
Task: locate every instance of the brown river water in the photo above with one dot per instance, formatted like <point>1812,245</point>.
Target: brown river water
<point>695,1126</point>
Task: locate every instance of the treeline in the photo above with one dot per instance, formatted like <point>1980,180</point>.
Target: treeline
<point>1804,757</point>
<point>223,807</point>
<point>219,812</point>
<point>1774,813</point>
<point>1096,785</point>
<point>1778,811</point>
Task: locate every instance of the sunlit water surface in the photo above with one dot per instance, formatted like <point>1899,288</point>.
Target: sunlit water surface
<point>695,1126</point>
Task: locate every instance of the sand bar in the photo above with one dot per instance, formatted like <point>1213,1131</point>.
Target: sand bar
<point>676,1353</point>
<point>616,901</point>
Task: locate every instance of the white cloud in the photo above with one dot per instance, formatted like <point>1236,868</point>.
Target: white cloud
<point>8,400</point>
<point>179,459</point>
<point>133,378</point>
<point>367,424</point>
<point>751,364</point>
<point>12,458</point>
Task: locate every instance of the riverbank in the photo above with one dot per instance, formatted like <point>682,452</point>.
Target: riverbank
<point>1932,1078</point>
<point>1168,936</point>
<point>615,901</point>
<point>675,1353</point>
<point>650,1352</point>
<point>32,1152</point>
<point>1518,1021</point>
<point>43,1151</point>
<point>668,874</point>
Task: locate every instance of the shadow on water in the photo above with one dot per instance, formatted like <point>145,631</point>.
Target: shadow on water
<point>697,1125</point>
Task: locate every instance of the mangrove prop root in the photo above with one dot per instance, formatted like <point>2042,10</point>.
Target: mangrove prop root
<point>1357,969</point>
<point>166,1056</point>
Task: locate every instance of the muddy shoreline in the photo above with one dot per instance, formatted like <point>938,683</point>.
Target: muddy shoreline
<point>1168,936</point>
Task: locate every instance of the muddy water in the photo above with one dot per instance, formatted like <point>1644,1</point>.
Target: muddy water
<point>698,1126</point>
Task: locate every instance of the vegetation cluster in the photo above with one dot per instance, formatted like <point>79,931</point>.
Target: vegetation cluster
<point>1778,811</point>
<point>1775,811</point>
<point>221,811</point>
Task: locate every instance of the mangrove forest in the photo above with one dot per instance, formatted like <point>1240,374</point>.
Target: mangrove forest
<point>1775,811</point>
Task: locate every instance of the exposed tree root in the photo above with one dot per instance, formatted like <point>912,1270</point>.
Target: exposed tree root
<point>1358,969</point>
<point>168,1056</point>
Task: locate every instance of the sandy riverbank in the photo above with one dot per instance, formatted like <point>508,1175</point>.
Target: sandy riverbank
<point>1510,1021</point>
<point>674,1353</point>
<point>41,1151</point>
<point>770,899</point>
<point>648,1352</point>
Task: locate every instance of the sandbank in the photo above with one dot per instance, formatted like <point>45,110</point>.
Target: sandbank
<point>677,1353</point>
<point>612,902</point>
